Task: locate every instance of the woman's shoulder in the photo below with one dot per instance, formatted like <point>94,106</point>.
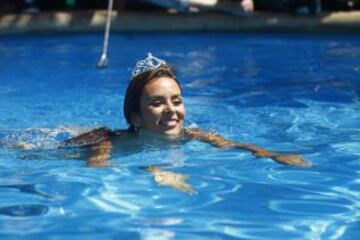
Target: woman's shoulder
<point>193,132</point>
<point>92,137</point>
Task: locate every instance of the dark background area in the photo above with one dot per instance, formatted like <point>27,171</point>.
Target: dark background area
<point>260,5</point>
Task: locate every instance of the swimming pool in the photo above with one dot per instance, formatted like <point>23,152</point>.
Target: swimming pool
<point>289,93</point>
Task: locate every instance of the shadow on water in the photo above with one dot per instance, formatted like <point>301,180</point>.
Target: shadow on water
<point>24,210</point>
<point>26,188</point>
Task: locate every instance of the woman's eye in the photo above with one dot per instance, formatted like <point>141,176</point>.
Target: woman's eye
<point>177,101</point>
<point>156,103</point>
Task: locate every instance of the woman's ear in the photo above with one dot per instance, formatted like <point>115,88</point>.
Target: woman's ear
<point>135,120</point>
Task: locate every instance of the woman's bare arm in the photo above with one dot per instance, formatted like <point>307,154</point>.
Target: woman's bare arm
<point>89,138</point>
<point>100,154</point>
<point>98,142</point>
<point>218,141</point>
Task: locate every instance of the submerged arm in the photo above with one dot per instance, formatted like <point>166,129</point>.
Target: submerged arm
<point>99,154</point>
<point>220,142</point>
<point>171,179</point>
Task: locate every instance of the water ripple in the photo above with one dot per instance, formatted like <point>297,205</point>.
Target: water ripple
<point>352,148</point>
<point>310,207</point>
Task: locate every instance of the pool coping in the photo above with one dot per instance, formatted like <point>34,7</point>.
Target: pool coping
<point>93,21</point>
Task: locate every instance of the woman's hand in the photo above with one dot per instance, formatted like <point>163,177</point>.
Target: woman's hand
<point>171,179</point>
<point>291,160</point>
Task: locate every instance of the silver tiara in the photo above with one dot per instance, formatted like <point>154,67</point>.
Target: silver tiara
<point>146,64</point>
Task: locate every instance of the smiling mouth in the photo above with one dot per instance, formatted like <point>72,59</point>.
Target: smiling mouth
<point>169,123</point>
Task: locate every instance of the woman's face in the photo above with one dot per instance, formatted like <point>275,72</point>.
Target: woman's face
<point>161,107</point>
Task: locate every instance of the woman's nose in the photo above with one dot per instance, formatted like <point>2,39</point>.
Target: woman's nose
<point>170,108</point>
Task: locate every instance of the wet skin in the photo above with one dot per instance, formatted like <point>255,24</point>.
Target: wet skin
<point>161,107</point>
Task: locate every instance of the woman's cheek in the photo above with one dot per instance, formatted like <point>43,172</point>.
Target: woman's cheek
<point>155,111</point>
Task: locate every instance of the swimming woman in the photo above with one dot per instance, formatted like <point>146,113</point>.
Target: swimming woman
<point>154,105</point>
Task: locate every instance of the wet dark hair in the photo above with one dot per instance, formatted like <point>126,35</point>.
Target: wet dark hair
<point>135,89</point>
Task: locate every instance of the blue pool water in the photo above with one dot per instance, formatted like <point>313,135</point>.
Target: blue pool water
<point>288,93</point>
